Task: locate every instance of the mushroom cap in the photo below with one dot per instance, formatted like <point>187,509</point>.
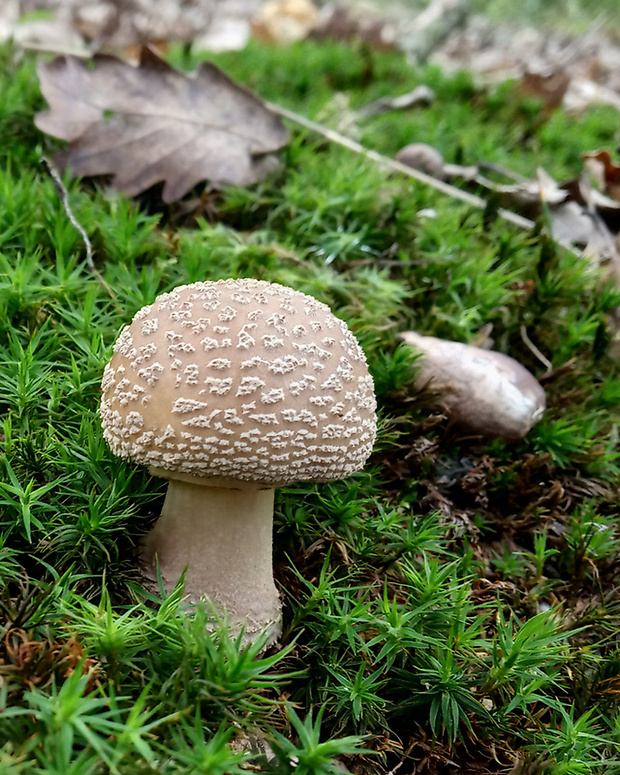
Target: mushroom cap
<point>424,157</point>
<point>239,380</point>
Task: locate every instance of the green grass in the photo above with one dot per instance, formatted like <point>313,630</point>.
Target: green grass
<point>454,602</point>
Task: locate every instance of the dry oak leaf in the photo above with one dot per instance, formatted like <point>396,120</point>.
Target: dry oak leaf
<point>550,89</point>
<point>151,123</point>
<point>604,171</point>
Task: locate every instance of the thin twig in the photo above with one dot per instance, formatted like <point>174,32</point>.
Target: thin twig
<point>403,759</point>
<point>63,195</point>
<point>396,166</point>
<point>489,166</point>
<point>421,95</point>
<point>64,198</point>
<point>533,349</point>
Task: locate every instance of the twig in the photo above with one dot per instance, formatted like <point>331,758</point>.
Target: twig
<point>63,195</point>
<point>64,198</point>
<point>489,166</point>
<point>421,95</point>
<point>395,166</point>
<point>535,351</point>
<point>403,759</point>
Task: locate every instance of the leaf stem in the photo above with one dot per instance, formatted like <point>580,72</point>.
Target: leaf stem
<point>396,166</point>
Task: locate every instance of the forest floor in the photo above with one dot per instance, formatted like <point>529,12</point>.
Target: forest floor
<point>455,606</point>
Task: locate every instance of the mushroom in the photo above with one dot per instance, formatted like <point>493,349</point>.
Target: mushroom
<point>486,391</point>
<point>229,389</point>
<point>426,158</point>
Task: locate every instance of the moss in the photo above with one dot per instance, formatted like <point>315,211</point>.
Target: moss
<point>458,590</point>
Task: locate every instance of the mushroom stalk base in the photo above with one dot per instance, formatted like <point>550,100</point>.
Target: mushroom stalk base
<point>223,535</point>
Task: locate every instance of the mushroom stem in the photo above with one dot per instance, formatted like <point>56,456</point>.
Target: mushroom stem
<point>224,537</point>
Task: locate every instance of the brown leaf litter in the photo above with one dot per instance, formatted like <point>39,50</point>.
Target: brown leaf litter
<point>35,662</point>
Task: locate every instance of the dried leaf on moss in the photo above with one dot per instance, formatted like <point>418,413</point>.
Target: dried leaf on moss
<point>151,123</point>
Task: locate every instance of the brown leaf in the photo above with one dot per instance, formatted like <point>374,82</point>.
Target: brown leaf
<point>604,171</point>
<point>356,23</point>
<point>421,95</point>
<point>550,88</point>
<point>151,123</point>
<point>285,21</point>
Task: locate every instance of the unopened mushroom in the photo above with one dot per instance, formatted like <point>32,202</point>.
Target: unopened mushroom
<point>230,389</point>
<point>486,391</point>
<point>424,157</point>
<point>428,159</point>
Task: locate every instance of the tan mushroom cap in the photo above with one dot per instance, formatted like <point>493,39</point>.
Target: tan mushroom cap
<point>243,380</point>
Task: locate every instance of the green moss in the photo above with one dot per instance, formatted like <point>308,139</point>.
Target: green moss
<point>416,592</point>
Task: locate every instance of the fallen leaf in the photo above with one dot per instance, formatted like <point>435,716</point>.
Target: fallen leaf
<point>52,35</point>
<point>604,171</point>
<point>571,224</point>
<point>549,88</point>
<point>432,27</point>
<point>116,24</point>
<point>421,95</point>
<point>550,191</point>
<point>9,16</point>
<point>151,123</point>
<point>577,223</point>
<point>356,23</point>
<point>580,190</point>
<point>225,33</point>
<point>584,93</point>
<point>285,21</point>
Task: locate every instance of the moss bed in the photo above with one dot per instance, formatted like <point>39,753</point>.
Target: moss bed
<point>452,608</point>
